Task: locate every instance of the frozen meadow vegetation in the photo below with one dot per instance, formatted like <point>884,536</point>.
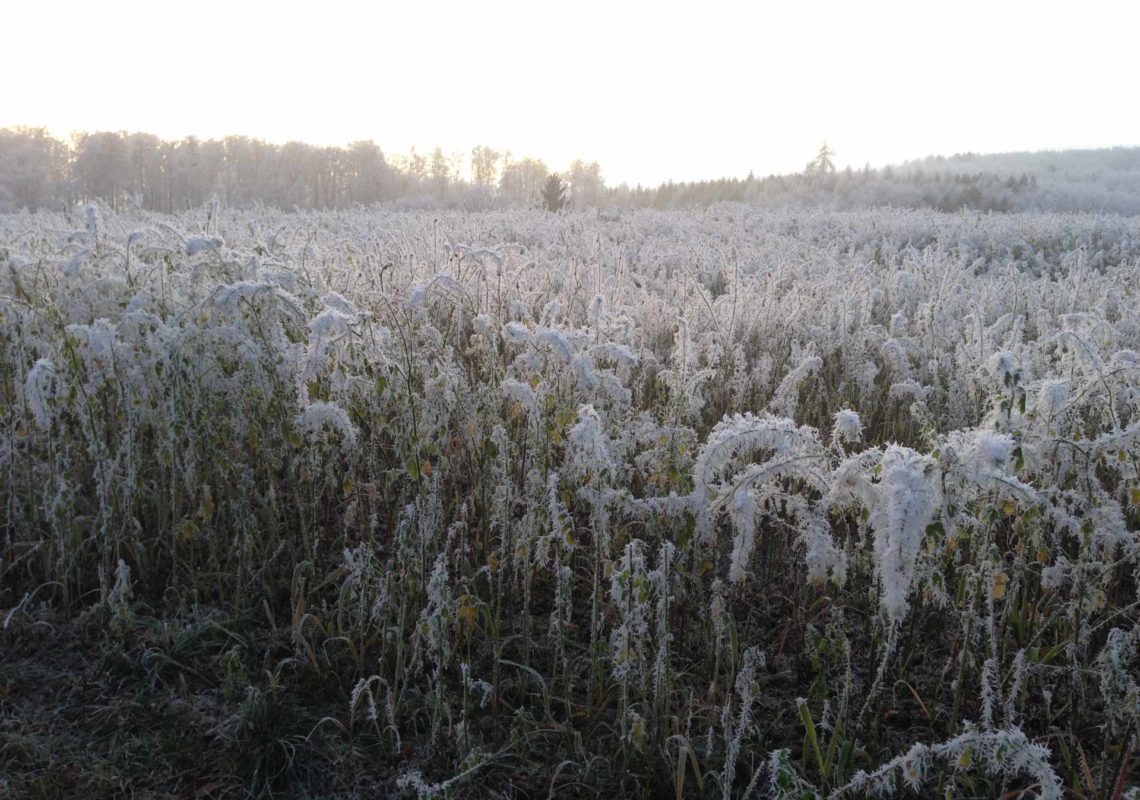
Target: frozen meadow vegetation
<point>703,504</point>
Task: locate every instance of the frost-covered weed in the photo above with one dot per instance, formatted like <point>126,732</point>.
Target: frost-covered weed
<point>603,463</point>
<point>847,428</point>
<point>322,414</point>
<point>907,498</point>
<point>739,726</point>
<point>1004,754</point>
<point>39,389</point>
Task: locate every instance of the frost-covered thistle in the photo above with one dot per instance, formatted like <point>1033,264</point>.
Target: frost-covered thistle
<point>437,614</point>
<point>203,244</point>
<point>321,414</point>
<point>39,390</point>
<point>786,396</point>
<point>560,541</point>
<point>1003,754</point>
<point>784,782</point>
<point>92,219</point>
<point>1016,685</point>
<point>660,579</point>
<point>907,497</point>
<point>516,332</point>
<point>1003,365</point>
<point>588,447</point>
<point>794,448</point>
<point>557,343</point>
<point>735,730</point>
<point>684,377</point>
<point>1119,685</point>
<point>794,453</point>
<point>630,589</point>
<point>847,427</point>
<point>119,598</point>
<point>473,684</point>
<point>524,395</point>
<point>743,513</point>
<point>989,691</point>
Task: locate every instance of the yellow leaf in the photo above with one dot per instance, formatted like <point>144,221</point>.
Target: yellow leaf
<point>467,614</point>
<point>1098,600</point>
<point>206,505</point>
<point>1008,508</point>
<point>998,590</point>
<point>1136,496</point>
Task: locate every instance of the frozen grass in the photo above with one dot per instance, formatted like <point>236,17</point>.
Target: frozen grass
<point>513,505</point>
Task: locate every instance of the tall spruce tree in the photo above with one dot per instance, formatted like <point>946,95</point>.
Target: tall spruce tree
<point>554,193</point>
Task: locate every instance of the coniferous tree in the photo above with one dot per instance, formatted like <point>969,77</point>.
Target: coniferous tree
<point>822,163</point>
<point>554,193</point>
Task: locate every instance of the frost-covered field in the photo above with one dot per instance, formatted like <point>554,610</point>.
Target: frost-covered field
<point>507,504</point>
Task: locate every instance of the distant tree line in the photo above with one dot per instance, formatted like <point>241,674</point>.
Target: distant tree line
<point>849,189</point>
<point>141,170</point>
<point>1105,180</point>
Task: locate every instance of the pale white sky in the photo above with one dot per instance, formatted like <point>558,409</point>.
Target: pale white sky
<point>651,90</point>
